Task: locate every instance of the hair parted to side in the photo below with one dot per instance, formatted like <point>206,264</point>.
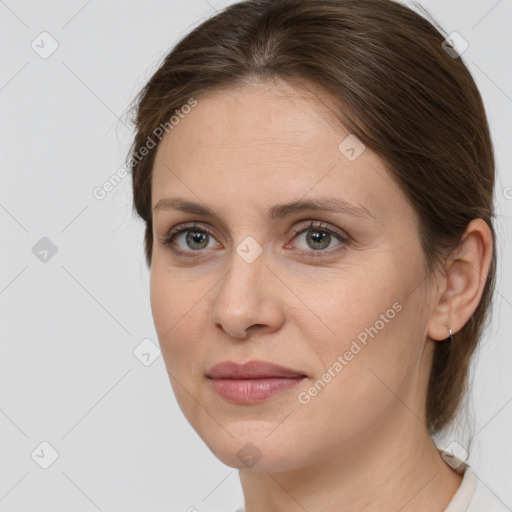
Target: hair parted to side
<point>393,86</point>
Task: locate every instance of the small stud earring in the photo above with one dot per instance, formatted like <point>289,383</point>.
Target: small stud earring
<point>451,334</point>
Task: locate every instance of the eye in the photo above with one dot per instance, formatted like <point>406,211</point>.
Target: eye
<point>318,237</point>
<point>193,238</point>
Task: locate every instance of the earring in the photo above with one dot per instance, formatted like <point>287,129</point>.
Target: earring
<point>451,334</point>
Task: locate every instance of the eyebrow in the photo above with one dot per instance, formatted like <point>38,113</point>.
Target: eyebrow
<point>276,212</point>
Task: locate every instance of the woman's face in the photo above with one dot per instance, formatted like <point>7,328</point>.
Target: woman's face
<point>342,303</point>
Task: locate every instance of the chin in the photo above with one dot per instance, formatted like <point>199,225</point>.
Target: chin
<point>254,449</point>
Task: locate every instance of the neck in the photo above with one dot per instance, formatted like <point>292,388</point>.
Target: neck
<point>396,466</point>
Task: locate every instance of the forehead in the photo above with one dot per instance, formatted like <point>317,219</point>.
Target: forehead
<point>267,141</point>
<point>278,116</point>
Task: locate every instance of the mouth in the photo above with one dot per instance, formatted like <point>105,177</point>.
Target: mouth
<point>252,382</point>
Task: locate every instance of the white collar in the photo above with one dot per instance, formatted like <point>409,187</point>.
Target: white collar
<point>473,495</point>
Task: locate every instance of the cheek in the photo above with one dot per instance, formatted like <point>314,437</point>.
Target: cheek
<point>176,312</point>
<point>352,309</point>
<point>367,350</point>
<point>360,382</point>
<point>177,307</point>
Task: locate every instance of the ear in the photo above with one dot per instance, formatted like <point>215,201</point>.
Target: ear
<point>463,283</point>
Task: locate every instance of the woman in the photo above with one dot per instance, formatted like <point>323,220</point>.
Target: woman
<point>316,180</point>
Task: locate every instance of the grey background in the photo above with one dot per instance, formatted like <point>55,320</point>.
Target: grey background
<point>69,325</point>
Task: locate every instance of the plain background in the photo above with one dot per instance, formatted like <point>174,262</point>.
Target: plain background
<point>70,324</point>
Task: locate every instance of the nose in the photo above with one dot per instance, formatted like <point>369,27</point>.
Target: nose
<point>249,298</point>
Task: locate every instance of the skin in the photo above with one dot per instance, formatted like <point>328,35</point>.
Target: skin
<point>361,442</point>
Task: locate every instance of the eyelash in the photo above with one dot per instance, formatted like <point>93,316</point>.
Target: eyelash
<point>196,228</point>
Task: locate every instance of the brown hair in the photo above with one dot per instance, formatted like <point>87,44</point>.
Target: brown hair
<point>394,86</point>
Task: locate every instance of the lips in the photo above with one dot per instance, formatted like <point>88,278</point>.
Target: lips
<point>251,370</point>
<point>252,382</point>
